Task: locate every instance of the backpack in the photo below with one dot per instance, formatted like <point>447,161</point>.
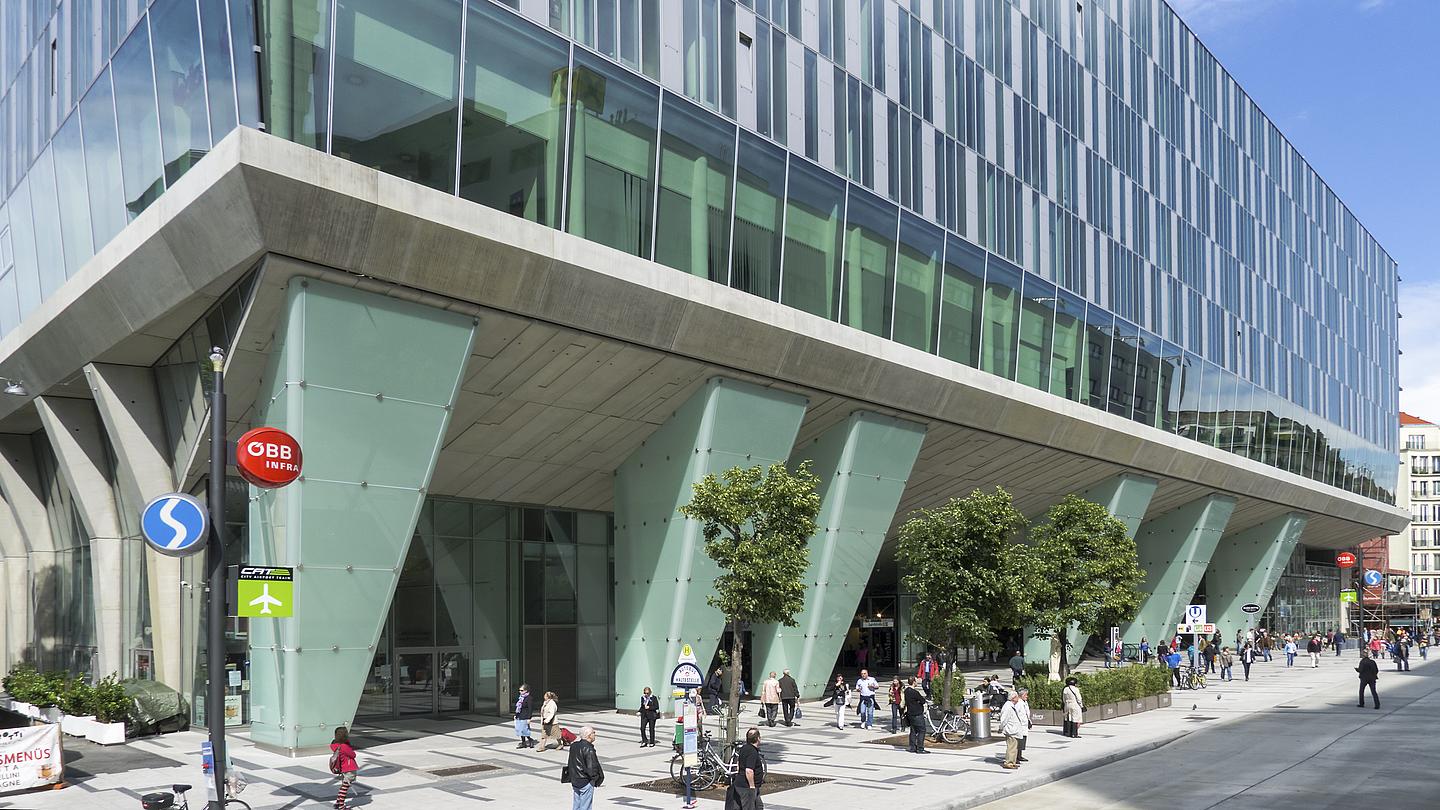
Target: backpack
<point>335,762</point>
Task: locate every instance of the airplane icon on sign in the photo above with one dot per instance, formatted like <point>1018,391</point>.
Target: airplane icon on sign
<point>265,600</point>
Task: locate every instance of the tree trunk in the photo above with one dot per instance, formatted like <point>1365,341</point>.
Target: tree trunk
<point>1063,635</point>
<point>732,726</point>
<point>949,662</point>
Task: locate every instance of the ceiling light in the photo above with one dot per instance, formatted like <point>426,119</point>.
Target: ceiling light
<point>15,387</point>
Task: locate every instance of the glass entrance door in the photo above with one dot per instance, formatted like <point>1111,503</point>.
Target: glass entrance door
<point>452,684</point>
<point>415,682</point>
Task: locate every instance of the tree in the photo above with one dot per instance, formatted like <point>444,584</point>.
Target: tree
<point>1081,567</point>
<point>959,562</point>
<point>757,524</point>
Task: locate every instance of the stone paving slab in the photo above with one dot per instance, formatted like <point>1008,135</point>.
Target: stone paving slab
<point>396,774</point>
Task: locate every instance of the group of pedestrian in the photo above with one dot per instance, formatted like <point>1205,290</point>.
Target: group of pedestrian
<point>779,697</point>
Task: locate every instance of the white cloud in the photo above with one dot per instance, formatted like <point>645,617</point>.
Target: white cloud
<point>1206,17</point>
<point>1420,365</point>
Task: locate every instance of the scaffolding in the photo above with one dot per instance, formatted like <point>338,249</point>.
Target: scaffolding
<point>1392,603</point>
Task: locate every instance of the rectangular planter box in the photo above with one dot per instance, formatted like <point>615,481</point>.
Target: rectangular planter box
<point>51,714</point>
<point>1122,709</point>
<point>1162,700</point>
<point>77,726</point>
<point>1047,717</point>
<point>106,733</point>
<point>1107,711</point>
<point>1150,702</point>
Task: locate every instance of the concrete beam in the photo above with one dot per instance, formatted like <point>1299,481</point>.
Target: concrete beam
<point>78,441</point>
<point>129,406</point>
<point>1175,549</point>
<point>1246,567</point>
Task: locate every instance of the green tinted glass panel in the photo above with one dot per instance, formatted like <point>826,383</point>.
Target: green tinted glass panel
<point>759,212</point>
<point>512,138</point>
<point>960,301</point>
<point>1147,380</point>
<point>917,283</point>
<point>297,49</point>
<point>1000,318</point>
<point>1099,329</point>
<point>870,228</point>
<point>1068,348</point>
<point>814,210</point>
<point>396,71</point>
<point>612,163</point>
<point>1123,353</point>
<point>1037,332</point>
<point>697,166</point>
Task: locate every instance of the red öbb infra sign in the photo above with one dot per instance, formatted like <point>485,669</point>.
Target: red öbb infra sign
<point>1345,559</point>
<point>268,457</point>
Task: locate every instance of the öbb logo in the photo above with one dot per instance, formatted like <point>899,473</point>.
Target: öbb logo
<point>268,457</point>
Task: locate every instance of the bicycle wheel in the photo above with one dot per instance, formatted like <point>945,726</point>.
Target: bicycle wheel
<point>706,775</point>
<point>677,769</point>
<point>951,732</point>
<point>236,803</point>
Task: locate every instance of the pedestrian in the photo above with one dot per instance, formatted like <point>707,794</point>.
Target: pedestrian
<point>1402,654</point>
<point>1369,674</point>
<point>649,713</point>
<point>744,790</point>
<point>926,671</point>
<point>1192,652</point>
<point>1247,657</point>
<point>913,701</point>
<point>896,690</point>
<point>1017,665</point>
<point>713,687</point>
<point>1173,661</point>
<point>549,729</point>
<point>1339,641</point>
<point>584,771</point>
<point>342,763</point>
<point>1315,646</point>
<point>1211,651</point>
<point>1026,721</point>
<point>770,698</point>
<point>1423,644</point>
<point>1375,645</point>
<point>1144,650</point>
<point>523,712</point>
<point>1010,726</point>
<point>868,688</point>
<point>1227,662</point>
<point>1289,651</point>
<point>789,696</point>
<point>839,696</point>
<point>1074,708</point>
<point>1266,644</point>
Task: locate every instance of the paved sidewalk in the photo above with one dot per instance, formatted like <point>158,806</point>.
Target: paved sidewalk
<point>397,764</point>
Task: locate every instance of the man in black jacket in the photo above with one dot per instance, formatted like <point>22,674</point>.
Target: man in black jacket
<point>584,770</point>
<point>789,696</point>
<point>713,687</point>
<point>649,713</point>
<point>744,790</point>
<point>1369,674</point>
<point>914,699</point>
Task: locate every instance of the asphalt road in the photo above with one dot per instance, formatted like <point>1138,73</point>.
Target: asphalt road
<point>1316,753</point>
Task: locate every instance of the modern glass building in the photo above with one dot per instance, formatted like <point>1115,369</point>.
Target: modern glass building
<point>940,244</point>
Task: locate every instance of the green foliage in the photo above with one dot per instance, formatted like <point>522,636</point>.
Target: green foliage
<point>757,524</point>
<point>52,688</point>
<point>78,698</point>
<point>1038,669</point>
<point>1081,567</point>
<point>959,564</point>
<point>1099,687</point>
<point>23,683</point>
<point>110,703</point>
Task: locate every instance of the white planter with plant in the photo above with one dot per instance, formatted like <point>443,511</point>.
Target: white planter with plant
<point>77,725</point>
<point>112,709</point>
<point>106,733</point>
<point>51,714</point>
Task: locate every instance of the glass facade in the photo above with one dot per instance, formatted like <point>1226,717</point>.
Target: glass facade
<point>1076,197</point>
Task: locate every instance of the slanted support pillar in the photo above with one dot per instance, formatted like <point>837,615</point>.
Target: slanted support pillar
<point>366,384</point>
<point>1125,496</point>
<point>1175,549</point>
<point>1245,568</point>
<point>14,595</point>
<point>662,575</point>
<point>863,464</point>
<point>30,545</point>
<point>129,406</point>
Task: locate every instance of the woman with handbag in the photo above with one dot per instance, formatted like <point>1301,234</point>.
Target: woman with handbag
<point>549,730</point>
<point>839,696</point>
<point>1074,708</point>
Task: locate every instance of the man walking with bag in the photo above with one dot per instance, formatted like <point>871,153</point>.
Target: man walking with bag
<point>789,696</point>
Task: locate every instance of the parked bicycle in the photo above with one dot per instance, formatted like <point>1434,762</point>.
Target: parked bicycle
<point>951,727</point>
<point>1192,678</point>
<point>165,800</point>
<point>713,766</point>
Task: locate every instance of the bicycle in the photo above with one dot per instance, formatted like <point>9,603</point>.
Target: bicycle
<point>952,728</point>
<point>1194,678</point>
<point>164,800</point>
<point>713,767</point>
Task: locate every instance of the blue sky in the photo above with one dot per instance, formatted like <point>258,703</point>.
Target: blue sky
<point>1355,86</point>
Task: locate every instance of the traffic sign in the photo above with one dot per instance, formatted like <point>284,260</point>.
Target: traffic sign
<point>1209,629</point>
<point>1250,607</point>
<point>1373,578</point>
<point>1345,559</point>
<point>174,524</point>
<point>1195,614</point>
<point>687,655</point>
<point>264,593</point>
<point>1349,596</point>
<point>268,457</point>
<point>687,676</point>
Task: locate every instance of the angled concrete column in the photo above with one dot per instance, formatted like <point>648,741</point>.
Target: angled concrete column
<point>366,384</point>
<point>863,464</point>
<point>129,406</point>
<point>662,574</point>
<point>1125,496</point>
<point>14,593</point>
<point>73,428</point>
<point>1245,568</point>
<point>31,538</point>
<point>1175,549</point>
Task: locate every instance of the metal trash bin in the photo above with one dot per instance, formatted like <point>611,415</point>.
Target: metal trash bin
<point>979,717</point>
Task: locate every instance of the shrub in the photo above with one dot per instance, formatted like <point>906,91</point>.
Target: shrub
<point>1103,686</point>
<point>1038,669</point>
<point>78,699</point>
<point>110,703</point>
<point>957,688</point>
<point>1044,693</point>
<point>52,686</point>
<point>22,683</point>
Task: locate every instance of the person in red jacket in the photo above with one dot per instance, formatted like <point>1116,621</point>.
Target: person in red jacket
<point>344,758</point>
<point>927,670</point>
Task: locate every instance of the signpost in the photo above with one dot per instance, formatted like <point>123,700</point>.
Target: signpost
<point>262,592</point>
<point>1345,559</point>
<point>174,524</point>
<point>268,457</point>
<point>1373,578</point>
<point>1349,596</point>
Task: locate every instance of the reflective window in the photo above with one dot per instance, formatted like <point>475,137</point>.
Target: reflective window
<point>22,237</point>
<point>138,125</point>
<point>612,161</point>
<point>1099,332</point>
<point>102,161</point>
<point>870,229</point>
<point>74,202</point>
<point>219,67</point>
<point>297,47</point>
<point>247,70</point>
<point>1037,333</point>
<point>512,138</point>
<point>1069,349</point>
<point>1000,318</point>
<point>759,213</point>
<point>1124,352</point>
<point>180,82</point>
<point>697,157</point>
<point>917,282</point>
<point>1149,380</point>
<point>396,73</point>
<point>49,253</point>
<point>814,209</point>
<point>960,301</point>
